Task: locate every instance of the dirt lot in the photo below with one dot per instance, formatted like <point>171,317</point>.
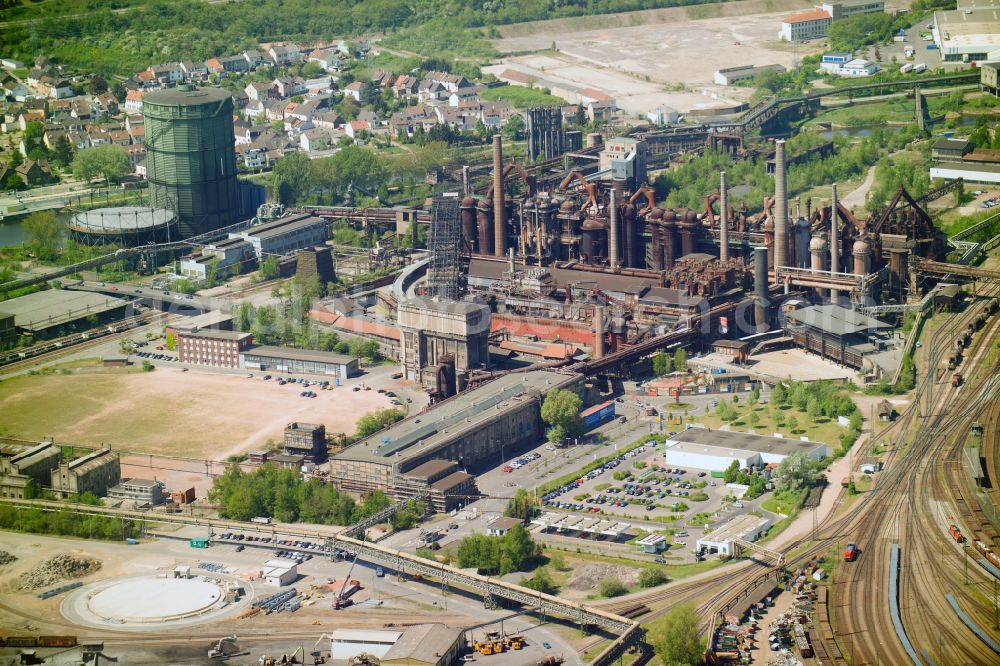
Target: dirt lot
<point>192,414</point>
<point>658,57</point>
<point>797,364</point>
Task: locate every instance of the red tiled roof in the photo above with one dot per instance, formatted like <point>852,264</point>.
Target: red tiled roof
<point>811,15</point>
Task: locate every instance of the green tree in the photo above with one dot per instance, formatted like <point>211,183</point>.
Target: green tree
<point>793,424</point>
<point>812,408</point>
<point>678,643</point>
<point>513,129</point>
<point>45,234</point>
<point>662,364</point>
<point>611,587</point>
<point>62,151</point>
<point>795,472</point>
<point>292,178</point>
<point>731,472</point>
<point>107,161</point>
<point>171,342</point>
<point>561,410</point>
<point>779,396</point>
<point>652,576</point>
<point>14,182</point>
<point>312,69</point>
<point>681,360</point>
<point>269,268</point>
<point>541,581</point>
<point>98,85</point>
<point>522,505</point>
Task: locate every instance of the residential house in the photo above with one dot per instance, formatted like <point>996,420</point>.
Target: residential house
<point>495,114</point>
<point>405,86</point>
<point>284,87</point>
<point>255,159</point>
<point>353,90</point>
<point>136,155</point>
<point>35,173</point>
<point>254,58</point>
<point>60,89</point>
<point>50,138</point>
<point>354,128</point>
<point>167,73</point>
<point>253,109</point>
<point>108,104</point>
<point>450,82</point>
<point>236,64</point>
<point>600,110</point>
<point>467,94</point>
<point>136,126</point>
<point>317,139</point>
<point>274,109</point>
<point>258,91</point>
<point>430,91</point>
<point>327,120</point>
<point>79,139</point>
<point>318,86</point>
<point>329,59</point>
<point>246,133</point>
<point>133,101</point>
<point>214,66</point>
<point>382,78</point>
<point>284,55</point>
<point>30,116</point>
<point>194,71</point>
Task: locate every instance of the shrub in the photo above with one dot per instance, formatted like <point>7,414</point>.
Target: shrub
<point>652,576</point>
<point>612,587</point>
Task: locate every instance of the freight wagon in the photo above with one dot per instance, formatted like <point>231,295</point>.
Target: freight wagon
<point>40,641</point>
<point>956,534</point>
<point>598,414</point>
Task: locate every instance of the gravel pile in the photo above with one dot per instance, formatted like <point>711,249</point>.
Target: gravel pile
<point>56,569</point>
<point>6,558</point>
<point>589,576</point>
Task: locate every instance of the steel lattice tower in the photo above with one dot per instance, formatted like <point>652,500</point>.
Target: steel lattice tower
<point>445,277</point>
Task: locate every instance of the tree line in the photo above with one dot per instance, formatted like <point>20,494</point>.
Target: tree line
<point>65,523</point>
<point>280,493</point>
<point>491,555</point>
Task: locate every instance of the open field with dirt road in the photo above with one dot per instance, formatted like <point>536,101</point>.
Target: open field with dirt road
<point>194,414</point>
<point>657,57</point>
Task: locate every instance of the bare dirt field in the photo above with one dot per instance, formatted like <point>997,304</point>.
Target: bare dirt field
<point>797,364</point>
<point>656,57</point>
<point>189,414</point>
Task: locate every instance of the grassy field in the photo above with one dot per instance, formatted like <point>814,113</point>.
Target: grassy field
<point>867,115</point>
<point>522,97</point>
<point>769,416</point>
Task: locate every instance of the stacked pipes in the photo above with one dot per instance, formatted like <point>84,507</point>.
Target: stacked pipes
<point>780,208</point>
<point>613,229</point>
<point>598,332</point>
<point>723,219</point>
<point>760,288</point>
<point>499,203</point>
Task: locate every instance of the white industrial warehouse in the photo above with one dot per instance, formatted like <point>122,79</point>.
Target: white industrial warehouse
<point>715,450</point>
<point>417,645</point>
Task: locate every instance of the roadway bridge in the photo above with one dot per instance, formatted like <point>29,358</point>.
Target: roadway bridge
<point>159,298</point>
<point>628,632</point>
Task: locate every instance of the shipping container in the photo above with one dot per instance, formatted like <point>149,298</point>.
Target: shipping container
<point>905,69</point>
<point>263,520</point>
<point>132,542</point>
<point>199,543</point>
<point>598,414</point>
<point>56,641</point>
<point>919,67</point>
<point>22,641</point>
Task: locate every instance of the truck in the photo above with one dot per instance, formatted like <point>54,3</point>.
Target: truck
<point>909,52</point>
<point>262,520</point>
<point>598,414</point>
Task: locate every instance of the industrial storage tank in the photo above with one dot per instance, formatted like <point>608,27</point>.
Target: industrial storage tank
<point>125,226</point>
<point>191,156</point>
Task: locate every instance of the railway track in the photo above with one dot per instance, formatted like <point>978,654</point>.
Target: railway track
<point>75,343</point>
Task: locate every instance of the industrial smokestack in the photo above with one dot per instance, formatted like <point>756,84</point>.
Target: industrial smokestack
<point>723,219</point>
<point>466,187</point>
<point>598,332</point>
<point>613,229</point>
<point>780,208</point>
<point>760,288</point>
<point>499,203</point>
<point>834,239</point>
